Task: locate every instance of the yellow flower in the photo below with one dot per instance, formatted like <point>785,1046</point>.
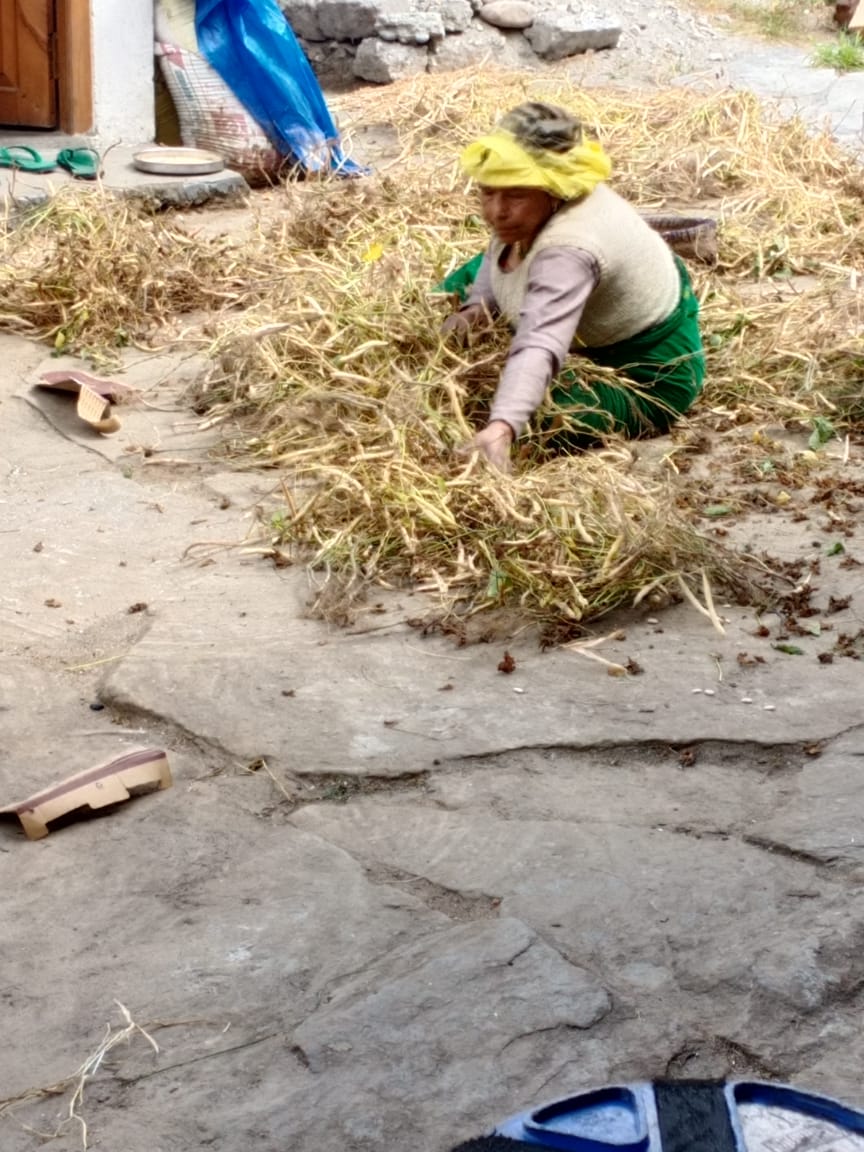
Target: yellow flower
<point>373,253</point>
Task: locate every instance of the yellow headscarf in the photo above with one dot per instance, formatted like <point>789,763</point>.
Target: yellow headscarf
<point>499,161</point>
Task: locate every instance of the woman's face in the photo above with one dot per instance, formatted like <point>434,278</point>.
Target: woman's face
<point>516,215</point>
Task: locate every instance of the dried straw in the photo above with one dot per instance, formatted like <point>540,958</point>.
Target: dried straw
<point>73,1086</point>
<point>327,349</point>
<point>92,273</point>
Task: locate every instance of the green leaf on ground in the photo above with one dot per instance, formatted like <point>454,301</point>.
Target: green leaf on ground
<point>789,649</point>
<point>497,584</point>
<point>823,431</point>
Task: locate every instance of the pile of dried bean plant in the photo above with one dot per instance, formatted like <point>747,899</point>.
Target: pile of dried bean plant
<point>327,360</point>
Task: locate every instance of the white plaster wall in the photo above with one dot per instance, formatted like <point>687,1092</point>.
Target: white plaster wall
<point>123,94</point>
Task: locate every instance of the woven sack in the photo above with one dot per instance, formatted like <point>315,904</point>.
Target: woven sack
<point>212,117</point>
<point>693,238</point>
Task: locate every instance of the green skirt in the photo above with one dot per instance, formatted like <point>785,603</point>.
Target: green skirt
<point>663,369</point>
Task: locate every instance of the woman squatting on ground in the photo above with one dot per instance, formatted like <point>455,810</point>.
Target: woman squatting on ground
<point>574,269</point>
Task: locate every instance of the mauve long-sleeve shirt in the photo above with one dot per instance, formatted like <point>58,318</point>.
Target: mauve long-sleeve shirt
<point>559,284</point>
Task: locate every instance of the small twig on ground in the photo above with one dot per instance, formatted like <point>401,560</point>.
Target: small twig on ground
<point>95,663</point>
<point>112,731</point>
<point>264,766</point>
<point>78,1081</point>
<point>708,611</point>
<point>582,648</point>
<point>212,545</point>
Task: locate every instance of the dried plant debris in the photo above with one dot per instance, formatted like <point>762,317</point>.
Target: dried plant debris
<point>327,364</point>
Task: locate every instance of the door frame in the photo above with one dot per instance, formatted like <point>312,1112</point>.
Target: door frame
<point>74,66</point>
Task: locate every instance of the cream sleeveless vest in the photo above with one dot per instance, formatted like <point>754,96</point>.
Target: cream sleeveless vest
<point>639,283</point>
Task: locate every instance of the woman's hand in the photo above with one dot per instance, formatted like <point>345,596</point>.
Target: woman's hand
<point>494,442</point>
<point>463,322</point>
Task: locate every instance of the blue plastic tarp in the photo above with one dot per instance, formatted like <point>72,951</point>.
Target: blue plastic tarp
<point>253,48</point>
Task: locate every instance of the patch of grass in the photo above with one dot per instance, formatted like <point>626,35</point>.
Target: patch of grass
<point>792,20</point>
<point>846,55</point>
<point>778,19</point>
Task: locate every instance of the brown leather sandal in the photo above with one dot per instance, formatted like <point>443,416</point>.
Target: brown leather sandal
<point>95,396</point>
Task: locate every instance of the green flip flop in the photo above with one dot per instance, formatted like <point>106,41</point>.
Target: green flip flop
<point>82,163</point>
<point>24,158</point>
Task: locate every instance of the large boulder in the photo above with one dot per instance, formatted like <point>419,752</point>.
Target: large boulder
<point>557,34</point>
<point>411,27</point>
<point>455,15</point>
<point>380,62</point>
<point>349,19</point>
<point>478,44</point>
<point>302,15</point>
<point>355,20</point>
<point>509,14</point>
<point>332,61</point>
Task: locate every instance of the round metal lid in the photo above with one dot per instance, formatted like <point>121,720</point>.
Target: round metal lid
<point>178,161</point>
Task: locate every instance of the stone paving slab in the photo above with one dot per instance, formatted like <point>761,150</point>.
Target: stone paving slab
<point>171,942</point>
<point>80,536</point>
<point>716,789</point>
<point>384,704</point>
<point>825,822</point>
<point>452,1017</point>
<point>691,931</point>
<point>369,1071</point>
<point>87,520</point>
<point>821,96</point>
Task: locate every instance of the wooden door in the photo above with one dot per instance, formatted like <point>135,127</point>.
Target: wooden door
<point>28,87</point>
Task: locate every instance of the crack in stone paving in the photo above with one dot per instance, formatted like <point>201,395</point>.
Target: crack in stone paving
<point>843,996</point>
<point>706,1056</point>
<point>335,788</point>
<point>553,1029</point>
<point>518,955</point>
<point>763,843</point>
<point>169,732</point>
<point>202,1056</point>
<point>770,758</point>
<point>775,848</point>
<point>458,906</point>
<point>327,787</point>
<point>333,987</point>
<point>311,787</point>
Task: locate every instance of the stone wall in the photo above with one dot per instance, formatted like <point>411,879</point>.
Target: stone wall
<point>380,41</point>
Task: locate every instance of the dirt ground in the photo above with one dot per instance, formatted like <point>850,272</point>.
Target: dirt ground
<point>393,894</point>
